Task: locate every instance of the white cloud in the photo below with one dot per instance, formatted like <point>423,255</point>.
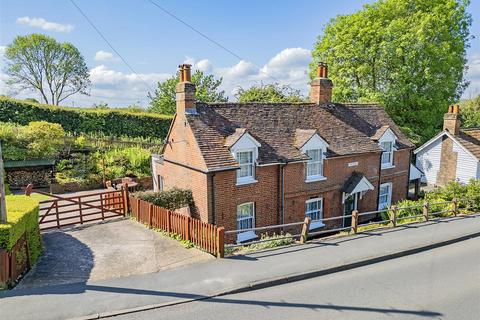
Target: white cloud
<point>104,56</point>
<point>204,65</point>
<point>473,75</point>
<point>44,24</point>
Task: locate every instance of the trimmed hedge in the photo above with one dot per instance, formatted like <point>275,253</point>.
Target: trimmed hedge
<point>22,216</point>
<point>172,199</point>
<point>110,122</point>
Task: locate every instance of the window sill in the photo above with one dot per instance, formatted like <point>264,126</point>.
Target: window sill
<point>388,166</point>
<point>244,182</point>
<point>245,236</point>
<point>315,179</point>
<point>316,225</point>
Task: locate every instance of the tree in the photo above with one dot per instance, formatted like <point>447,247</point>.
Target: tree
<point>269,93</point>
<point>471,112</point>
<point>38,62</point>
<point>409,55</point>
<point>163,100</point>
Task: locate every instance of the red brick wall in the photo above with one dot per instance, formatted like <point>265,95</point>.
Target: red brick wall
<point>182,149</point>
<point>264,193</point>
<point>337,172</point>
<point>398,175</point>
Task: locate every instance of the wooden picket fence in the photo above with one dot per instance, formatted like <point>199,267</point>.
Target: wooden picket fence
<point>205,236</point>
<point>14,262</point>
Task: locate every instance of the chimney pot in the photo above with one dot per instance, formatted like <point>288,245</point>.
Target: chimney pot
<point>185,90</point>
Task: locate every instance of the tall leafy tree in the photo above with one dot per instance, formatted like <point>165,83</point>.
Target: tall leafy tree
<point>163,99</point>
<point>273,92</point>
<point>409,55</point>
<point>471,112</point>
<point>55,70</point>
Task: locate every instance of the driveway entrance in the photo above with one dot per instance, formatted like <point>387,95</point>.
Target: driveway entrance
<point>112,249</point>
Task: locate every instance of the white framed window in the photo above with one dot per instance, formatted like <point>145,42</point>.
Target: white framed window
<point>387,154</point>
<point>246,173</point>
<point>314,210</point>
<point>385,196</point>
<point>246,220</point>
<point>160,183</point>
<point>315,165</point>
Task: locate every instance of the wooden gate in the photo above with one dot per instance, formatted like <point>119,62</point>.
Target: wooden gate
<point>66,211</point>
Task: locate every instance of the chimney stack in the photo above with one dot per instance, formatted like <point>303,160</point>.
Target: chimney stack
<point>451,120</point>
<point>321,87</point>
<point>185,90</point>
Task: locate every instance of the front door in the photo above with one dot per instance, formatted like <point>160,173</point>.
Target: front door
<point>349,205</point>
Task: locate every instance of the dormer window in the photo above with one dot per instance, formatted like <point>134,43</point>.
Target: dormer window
<point>315,147</point>
<point>246,173</point>
<point>386,140</point>
<point>387,155</point>
<point>244,149</point>
<point>315,164</point>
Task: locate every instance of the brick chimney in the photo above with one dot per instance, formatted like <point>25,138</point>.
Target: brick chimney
<point>451,120</point>
<point>321,87</point>
<point>185,90</point>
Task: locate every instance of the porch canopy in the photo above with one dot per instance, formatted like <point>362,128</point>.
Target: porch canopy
<point>357,183</point>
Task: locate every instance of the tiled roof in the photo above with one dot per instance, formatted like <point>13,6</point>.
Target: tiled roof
<point>347,128</point>
<point>470,139</point>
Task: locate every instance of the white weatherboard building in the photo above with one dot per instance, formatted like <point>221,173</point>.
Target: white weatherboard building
<point>452,155</point>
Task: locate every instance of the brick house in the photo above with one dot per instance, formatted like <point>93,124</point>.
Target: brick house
<point>258,164</point>
<point>452,155</point>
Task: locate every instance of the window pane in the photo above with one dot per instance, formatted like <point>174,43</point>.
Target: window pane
<point>245,216</point>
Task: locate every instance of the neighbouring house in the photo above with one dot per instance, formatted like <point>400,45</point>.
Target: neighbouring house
<point>258,164</point>
<point>452,155</point>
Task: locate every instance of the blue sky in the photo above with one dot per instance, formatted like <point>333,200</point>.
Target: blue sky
<point>270,37</point>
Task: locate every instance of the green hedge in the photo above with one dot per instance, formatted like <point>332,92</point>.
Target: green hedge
<point>172,199</point>
<point>110,122</point>
<point>22,216</point>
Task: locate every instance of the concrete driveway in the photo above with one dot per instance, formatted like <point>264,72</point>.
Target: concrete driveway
<point>112,249</point>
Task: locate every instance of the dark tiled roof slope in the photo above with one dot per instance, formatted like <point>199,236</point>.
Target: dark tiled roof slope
<point>470,139</point>
<point>346,128</point>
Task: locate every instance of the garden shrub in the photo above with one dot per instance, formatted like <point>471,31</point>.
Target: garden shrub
<point>38,139</point>
<point>22,217</point>
<point>172,199</point>
<point>111,122</point>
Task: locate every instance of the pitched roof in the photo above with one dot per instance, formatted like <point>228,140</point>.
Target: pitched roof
<point>470,139</point>
<point>348,128</point>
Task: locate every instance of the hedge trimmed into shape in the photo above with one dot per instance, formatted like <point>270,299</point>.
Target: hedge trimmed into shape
<point>110,122</point>
<point>22,216</point>
<point>172,199</point>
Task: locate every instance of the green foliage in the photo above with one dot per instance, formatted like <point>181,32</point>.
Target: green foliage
<point>55,70</point>
<point>163,100</point>
<point>109,122</point>
<point>277,240</point>
<point>39,139</point>
<point>269,93</point>
<point>22,216</point>
<point>88,169</point>
<point>470,112</point>
<point>172,199</point>
<point>409,55</point>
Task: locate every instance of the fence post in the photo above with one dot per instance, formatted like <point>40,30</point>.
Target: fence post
<point>125,198</point>
<point>455,206</point>
<point>137,213</point>
<point>80,209</point>
<point>394,210</point>
<point>169,221</point>
<point>220,242</point>
<point>354,221</point>
<point>305,228</point>
<point>150,214</point>
<point>187,228</point>
<point>425,210</point>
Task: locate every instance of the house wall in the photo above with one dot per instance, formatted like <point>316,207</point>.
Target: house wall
<point>184,167</point>
<point>398,175</point>
<point>445,160</point>
<point>467,165</point>
<point>428,161</point>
